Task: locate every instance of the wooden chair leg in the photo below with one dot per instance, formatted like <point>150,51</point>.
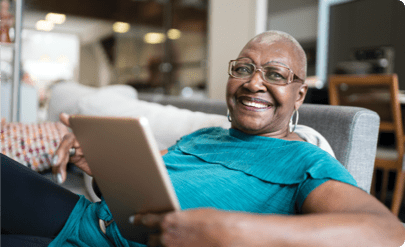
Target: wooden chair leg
<point>398,193</point>
<point>384,186</point>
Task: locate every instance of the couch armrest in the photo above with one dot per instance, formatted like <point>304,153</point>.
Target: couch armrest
<point>352,133</point>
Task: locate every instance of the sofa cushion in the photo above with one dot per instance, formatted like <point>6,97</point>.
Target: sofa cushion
<point>168,123</point>
<point>65,96</point>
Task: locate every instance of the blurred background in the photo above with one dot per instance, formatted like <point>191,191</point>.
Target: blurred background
<point>182,47</point>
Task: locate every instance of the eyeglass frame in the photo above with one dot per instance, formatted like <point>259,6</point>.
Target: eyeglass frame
<point>289,81</point>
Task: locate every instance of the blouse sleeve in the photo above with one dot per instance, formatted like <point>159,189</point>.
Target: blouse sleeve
<point>311,183</point>
<point>306,188</point>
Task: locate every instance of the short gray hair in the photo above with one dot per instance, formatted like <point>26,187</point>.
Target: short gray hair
<point>272,36</point>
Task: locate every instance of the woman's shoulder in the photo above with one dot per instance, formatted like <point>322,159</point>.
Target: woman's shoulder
<point>312,136</point>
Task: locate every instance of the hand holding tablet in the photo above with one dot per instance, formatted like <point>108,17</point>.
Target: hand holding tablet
<point>125,161</point>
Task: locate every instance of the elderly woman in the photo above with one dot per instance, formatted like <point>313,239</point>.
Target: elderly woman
<point>256,184</point>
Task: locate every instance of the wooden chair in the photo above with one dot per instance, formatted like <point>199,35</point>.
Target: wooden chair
<point>378,93</point>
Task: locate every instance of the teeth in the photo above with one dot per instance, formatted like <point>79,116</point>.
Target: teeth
<point>254,104</point>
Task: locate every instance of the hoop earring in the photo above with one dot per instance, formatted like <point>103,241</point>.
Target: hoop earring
<point>291,126</point>
<point>229,116</point>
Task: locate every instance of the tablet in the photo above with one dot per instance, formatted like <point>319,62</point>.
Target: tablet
<point>126,163</point>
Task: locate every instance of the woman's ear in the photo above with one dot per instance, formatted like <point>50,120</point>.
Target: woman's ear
<point>302,92</point>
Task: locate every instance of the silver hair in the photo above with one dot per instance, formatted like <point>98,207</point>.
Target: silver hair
<point>272,36</point>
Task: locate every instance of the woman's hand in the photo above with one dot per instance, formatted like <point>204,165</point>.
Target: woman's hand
<point>198,227</point>
<point>62,157</point>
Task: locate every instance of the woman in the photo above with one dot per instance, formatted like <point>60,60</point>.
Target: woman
<point>259,166</point>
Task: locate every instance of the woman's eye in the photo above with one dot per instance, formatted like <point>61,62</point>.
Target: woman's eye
<point>272,75</point>
<point>243,70</point>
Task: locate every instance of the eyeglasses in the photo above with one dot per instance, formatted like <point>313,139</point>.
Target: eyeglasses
<point>273,73</point>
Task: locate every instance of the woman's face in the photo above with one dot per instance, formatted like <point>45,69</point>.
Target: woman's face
<point>261,108</point>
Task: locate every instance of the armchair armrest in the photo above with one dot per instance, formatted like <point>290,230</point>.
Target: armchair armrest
<point>352,133</point>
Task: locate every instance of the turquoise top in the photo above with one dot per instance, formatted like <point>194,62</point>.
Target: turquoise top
<point>228,170</point>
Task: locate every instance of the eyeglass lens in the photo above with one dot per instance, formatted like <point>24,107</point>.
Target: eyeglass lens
<point>273,74</point>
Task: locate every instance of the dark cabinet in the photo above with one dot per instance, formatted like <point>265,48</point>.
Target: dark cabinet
<point>367,24</point>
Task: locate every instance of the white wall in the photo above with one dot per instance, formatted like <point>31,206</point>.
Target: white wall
<point>88,72</point>
<point>95,69</point>
<point>231,24</point>
<point>301,23</point>
<point>49,56</point>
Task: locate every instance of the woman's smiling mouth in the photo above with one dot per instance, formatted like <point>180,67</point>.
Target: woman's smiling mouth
<point>254,103</point>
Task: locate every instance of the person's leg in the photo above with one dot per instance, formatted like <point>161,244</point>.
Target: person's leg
<point>30,203</point>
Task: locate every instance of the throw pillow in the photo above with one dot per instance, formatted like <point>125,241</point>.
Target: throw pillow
<point>33,145</point>
<point>65,96</point>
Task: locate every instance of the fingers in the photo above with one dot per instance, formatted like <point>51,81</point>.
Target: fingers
<point>155,240</point>
<point>61,157</point>
<point>81,162</point>
<point>153,222</point>
<point>62,129</point>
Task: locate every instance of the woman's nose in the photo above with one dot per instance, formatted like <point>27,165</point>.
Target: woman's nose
<point>255,84</point>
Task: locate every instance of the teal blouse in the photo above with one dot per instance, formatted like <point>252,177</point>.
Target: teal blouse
<point>227,170</point>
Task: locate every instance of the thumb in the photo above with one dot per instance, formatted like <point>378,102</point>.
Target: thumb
<point>64,118</point>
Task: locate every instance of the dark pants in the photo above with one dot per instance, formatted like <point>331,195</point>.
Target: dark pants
<point>33,208</point>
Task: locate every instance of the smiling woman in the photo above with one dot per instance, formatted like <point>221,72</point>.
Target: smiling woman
<point>251,185</point>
